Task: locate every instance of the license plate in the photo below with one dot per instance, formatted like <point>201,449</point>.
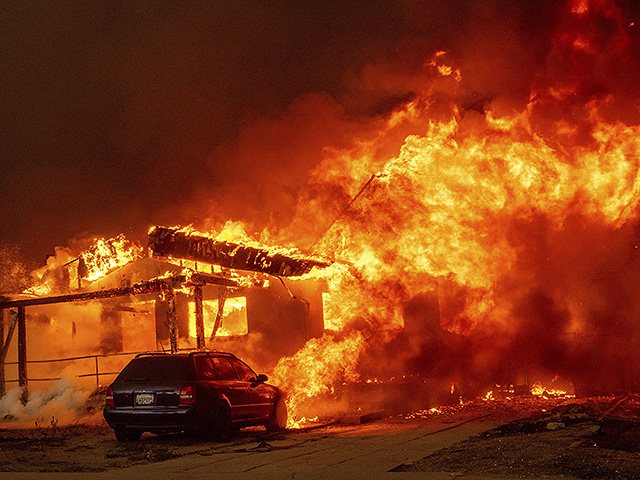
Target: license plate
<point>145,399</point>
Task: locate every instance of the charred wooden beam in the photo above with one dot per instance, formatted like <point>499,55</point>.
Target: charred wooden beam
<point>222,298</point>
<point>137,289</point>
<point>199,278</point>
<point>171,242</point>
<point>141,288</point>
<point>171,317</point>
<point>7,342</point>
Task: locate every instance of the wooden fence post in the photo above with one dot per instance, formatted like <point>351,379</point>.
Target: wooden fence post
<point>197,294</point>
<point>22,348</point>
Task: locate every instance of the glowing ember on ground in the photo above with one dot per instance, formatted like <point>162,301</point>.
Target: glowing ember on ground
<point>488,396</point>
<point>538,389</point>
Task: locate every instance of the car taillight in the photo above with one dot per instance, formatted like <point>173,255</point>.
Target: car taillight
<point>187,396</point>
<point>108,399</point>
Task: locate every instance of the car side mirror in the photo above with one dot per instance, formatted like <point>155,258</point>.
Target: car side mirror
<point>262,378</point>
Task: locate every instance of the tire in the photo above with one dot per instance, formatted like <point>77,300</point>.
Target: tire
<point>124,435</point>
<point>221,426</point>
<point>278,420</point>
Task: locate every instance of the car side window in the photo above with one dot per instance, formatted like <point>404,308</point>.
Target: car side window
<point>224,368</point>
<point>205,369</point>
<point>244,372</point>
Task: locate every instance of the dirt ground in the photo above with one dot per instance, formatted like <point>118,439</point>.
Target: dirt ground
<point>588,438</point>
<point>93,448</point>
<point>536,437</point>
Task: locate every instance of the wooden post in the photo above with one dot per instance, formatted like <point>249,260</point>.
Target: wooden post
<point>97,373</point>
<point>22,347</point>
<point>197,294</point>
<point>2,384</point>
<point>171,318</point>
<point>222,297</point>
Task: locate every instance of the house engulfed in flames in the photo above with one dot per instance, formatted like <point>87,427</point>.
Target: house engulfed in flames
<point>496,244</point>
<point>190,292</point>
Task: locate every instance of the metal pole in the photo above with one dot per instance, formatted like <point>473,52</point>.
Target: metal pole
<point>197,294</point>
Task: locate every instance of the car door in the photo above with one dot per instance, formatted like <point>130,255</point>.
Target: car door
<point>228,385</point>
<point>260,397</point>
<point>207,394</point>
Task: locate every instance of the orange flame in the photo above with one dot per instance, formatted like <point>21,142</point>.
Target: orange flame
<point>105,255</point>
<point>315,369</point>
<point>444,212</point>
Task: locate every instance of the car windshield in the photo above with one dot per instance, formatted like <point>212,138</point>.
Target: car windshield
<point>159,368</point>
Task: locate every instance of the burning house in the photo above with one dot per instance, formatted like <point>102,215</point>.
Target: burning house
<point>479,237</point>
<point>154,303</point>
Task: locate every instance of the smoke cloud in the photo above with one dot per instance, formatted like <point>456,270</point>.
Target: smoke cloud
<point>64,403</point>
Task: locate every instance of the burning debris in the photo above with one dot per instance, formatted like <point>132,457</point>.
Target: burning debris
<point>590,438</point>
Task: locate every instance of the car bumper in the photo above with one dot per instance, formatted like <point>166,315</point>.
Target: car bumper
<point>179,418</point>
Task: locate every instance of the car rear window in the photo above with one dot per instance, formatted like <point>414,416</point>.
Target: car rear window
<point>157,369</point>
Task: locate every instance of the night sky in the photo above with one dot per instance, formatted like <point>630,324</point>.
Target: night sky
<point>122,115</point>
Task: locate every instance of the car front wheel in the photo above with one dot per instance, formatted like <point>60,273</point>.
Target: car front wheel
<point>278,420</point>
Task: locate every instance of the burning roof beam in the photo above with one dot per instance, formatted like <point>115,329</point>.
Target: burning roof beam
<point>141,288</point>
<point>172,242</point>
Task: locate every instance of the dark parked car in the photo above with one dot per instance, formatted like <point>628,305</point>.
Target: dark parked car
<point>210,393</point>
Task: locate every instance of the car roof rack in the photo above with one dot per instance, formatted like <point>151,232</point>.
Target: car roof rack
<point>184,353</point>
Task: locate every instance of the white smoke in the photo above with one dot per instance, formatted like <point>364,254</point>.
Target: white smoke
<point>64,403</point>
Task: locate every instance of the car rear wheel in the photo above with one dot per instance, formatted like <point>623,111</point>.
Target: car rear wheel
<point>124,435</point>
<point>222,428</point>
<point>278,420</point>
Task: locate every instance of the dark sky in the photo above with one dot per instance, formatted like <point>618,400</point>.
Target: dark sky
<point>115,113</point>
